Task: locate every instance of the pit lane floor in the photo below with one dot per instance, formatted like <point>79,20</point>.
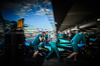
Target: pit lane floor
<point>80,62</point>
<point>40,61</point>
<point>54,61</point>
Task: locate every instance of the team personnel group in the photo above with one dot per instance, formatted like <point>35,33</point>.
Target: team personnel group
<point>78,37</point>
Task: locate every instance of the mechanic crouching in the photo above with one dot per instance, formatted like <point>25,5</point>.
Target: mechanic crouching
<point>75,40</point>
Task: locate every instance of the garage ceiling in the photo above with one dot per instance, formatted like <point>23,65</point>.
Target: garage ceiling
<point>75,13</point>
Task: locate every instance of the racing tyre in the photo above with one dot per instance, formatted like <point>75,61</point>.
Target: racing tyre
<point>88,54</point>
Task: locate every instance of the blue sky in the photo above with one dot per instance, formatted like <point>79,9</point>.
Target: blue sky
<point>37,13</point>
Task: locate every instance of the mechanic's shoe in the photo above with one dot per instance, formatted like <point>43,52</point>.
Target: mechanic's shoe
<point>75,62</point>
<point>67,61</point>
<point>34,59</point>
<point>47,59</point>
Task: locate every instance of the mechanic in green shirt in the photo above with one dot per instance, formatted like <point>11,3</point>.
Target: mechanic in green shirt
<point>62,35</point>
<point>58,34</point>
<point>36,42</point>
<point>54,48</point>
<point>75,40</point>
<point>46,36</point>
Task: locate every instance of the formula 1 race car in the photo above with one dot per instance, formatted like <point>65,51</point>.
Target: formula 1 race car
<point>65,48</point>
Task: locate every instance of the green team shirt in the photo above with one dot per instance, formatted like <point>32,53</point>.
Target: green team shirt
<point>37,40</point>
<point>62,35</point>
<point>58,35</point>
<point>46,37</point>
<point>79,37</point>
<point>54,42</point>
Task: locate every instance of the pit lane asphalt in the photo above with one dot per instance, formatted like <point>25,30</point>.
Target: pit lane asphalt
<point>54,61</point>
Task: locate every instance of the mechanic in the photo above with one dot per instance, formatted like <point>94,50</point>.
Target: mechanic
<point>54,48</point>
<point>58,34</point>
<point>75,40</point>
<point>77,31</point>
<point>46,36</point>
<point>36,42</point>
<point>62,35</point>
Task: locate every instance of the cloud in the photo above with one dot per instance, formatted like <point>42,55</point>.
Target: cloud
<point>25,7</point>
<point>46,2</point>
<point>29,10</point>
<point>40,12</point>
<point>44,11</point>
<point>28,4</point>
<point>34,5</point>
<point>49,3</point>
<point>50,16</point>
<point>48,10</point>
<point>28,7</point>
<point>20,14</point>
<point>23,11</point>
<point>21,8</point>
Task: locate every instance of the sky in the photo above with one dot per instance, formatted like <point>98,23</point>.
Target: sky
<point>36,13</point>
